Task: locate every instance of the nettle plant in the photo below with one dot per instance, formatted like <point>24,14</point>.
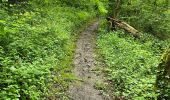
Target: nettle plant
<point>131,65</point>
<point>36,47</point>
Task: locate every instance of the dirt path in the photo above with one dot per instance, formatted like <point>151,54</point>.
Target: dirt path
<point>84,62</point>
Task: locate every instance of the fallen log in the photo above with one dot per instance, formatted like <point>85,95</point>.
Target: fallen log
<point>125,26</point>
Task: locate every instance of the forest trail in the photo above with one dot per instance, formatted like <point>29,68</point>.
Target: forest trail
<point>84,62</point>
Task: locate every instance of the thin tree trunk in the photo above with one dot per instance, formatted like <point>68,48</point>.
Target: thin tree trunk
<point>117,9</point>
<point>163,77</point>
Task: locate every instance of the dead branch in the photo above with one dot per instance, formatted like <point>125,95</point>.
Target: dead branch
<point>125,26</point>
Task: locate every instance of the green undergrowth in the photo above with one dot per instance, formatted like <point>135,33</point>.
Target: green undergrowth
<point>36,51</point>
<point>131,64</point>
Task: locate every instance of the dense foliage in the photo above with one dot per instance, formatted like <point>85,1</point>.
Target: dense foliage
<point>152,16</point>
<point>135,67</point>
<point>36,46</point>
<point>37,41</point>
<point>131,65</point>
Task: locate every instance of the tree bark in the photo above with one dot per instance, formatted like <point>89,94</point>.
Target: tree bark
<point>117,8</point>
<point>163,77</point>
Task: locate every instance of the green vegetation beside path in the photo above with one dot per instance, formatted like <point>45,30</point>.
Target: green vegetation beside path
<point>36,48</point>
<point>131,65</point>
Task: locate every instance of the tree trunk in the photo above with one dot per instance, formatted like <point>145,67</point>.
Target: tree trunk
<point>117,8</point>
<point>163,77</point>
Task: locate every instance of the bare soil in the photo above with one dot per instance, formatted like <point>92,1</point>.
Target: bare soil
<point>85,63</point>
